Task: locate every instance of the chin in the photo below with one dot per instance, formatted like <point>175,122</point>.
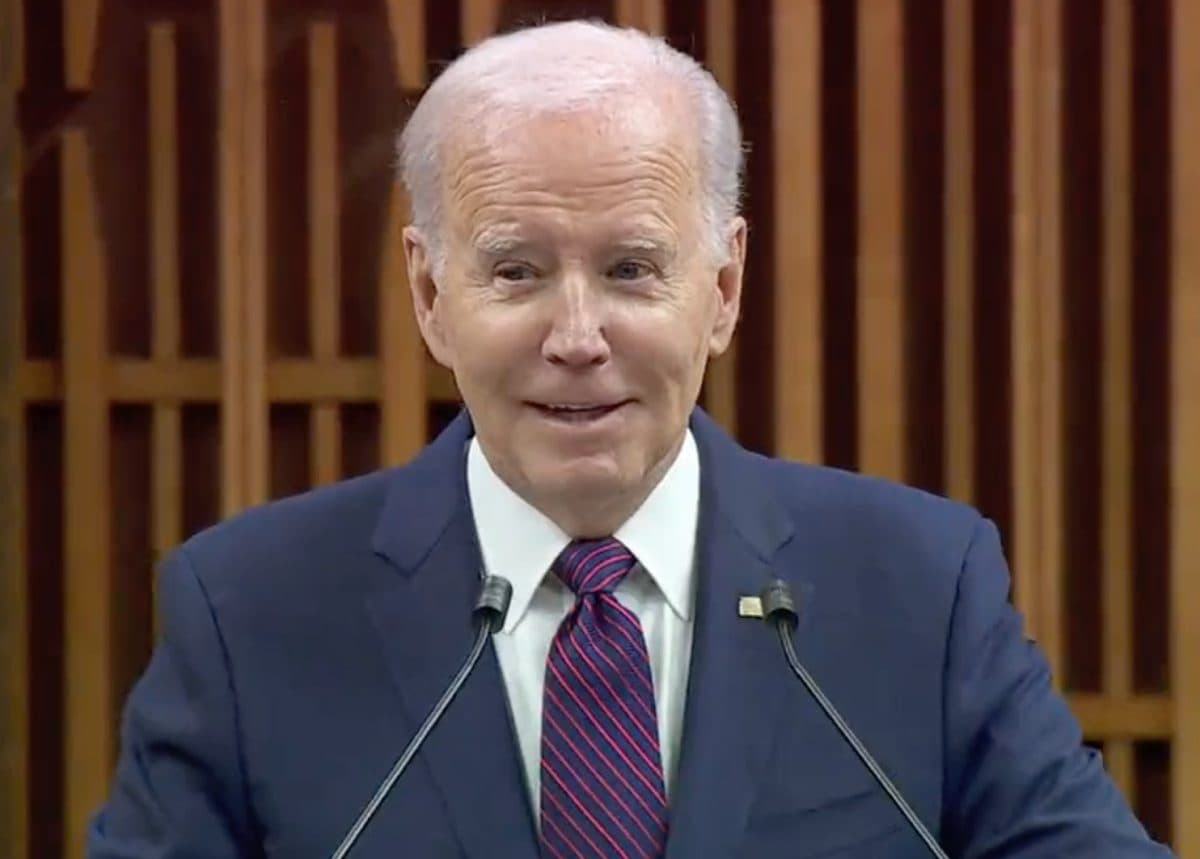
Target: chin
<point>587,475</point>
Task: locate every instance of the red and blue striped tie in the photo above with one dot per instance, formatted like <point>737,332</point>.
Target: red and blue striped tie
<point>602,779</point>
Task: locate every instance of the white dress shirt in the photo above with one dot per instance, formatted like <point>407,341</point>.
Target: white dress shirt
<point>519,543</point>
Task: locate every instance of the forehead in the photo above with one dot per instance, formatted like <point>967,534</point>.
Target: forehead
<point>638,164</point>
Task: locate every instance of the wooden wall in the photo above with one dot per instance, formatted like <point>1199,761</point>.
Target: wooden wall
<point>975,267</point>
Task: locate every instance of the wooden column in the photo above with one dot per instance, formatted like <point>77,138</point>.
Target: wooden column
<point>479,19</point>
<point>1116,430</point>
<point>959,334</point>
<point>402,354</point>
<point>1037,319</point>
<point>90,711</point>
<point>324,239</point>
<point>881,306</point>
<point>242,208</point>
<point>796,120</point>
<point>720,383</point>
<point>90,728</point>
<point>1185,422</point>
<point>14,597</point>
<point>650,16</point>
<point>167,471</point>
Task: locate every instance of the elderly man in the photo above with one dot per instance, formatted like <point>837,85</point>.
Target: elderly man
<point>575,258</point>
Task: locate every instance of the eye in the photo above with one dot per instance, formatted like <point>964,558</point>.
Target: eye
<point>514,272</point>
<point>630,269</point>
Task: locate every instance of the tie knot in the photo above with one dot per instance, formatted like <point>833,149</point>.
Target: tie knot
<point>594,566</point>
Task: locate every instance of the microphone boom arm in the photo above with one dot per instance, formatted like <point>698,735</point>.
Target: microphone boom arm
<point>780,609</point>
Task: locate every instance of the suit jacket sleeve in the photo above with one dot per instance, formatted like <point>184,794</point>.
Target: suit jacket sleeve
<point>1019,783</point>
<point>179,789</point>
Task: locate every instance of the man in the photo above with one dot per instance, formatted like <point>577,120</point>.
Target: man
<point>575,257</point>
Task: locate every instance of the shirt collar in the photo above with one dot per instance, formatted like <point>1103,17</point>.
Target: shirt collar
<point>520,543</point>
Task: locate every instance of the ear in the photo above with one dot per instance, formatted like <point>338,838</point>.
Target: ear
<point>729,289</point>
<point>428,306</point>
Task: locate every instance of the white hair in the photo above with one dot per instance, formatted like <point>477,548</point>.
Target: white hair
<point>562,67</point>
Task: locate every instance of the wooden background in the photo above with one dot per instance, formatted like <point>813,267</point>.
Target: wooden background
<point>975,267</point>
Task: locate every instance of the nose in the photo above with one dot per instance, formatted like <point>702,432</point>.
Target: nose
<point>576,337</point>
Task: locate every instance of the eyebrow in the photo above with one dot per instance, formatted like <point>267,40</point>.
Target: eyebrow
<point>498,243</point>
<point>649,245</point>
<point>493,243</point>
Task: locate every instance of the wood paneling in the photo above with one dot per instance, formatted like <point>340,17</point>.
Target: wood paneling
<point>479,20</point>
<point>881,305</point>
<point>82,19</point>
<point>14,593</point>
<point>1185,424</point>
<point>242,147</point>
<point>90,729</point>
<point>406,24</point>
<point>720,40</point>
<point>167,466</point>
<point>1117,330</point>
<point>959,340</point>
<point>647,15</point>
<point>943,249</point>
<point>405,378</point>
<point>796,114</point>
<point>1036,326</point>
<point>324,288</point>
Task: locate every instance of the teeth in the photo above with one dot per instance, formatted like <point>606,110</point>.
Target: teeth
<point>574,408</point>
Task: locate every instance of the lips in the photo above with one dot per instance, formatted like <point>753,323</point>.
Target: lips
<point>577,413</point>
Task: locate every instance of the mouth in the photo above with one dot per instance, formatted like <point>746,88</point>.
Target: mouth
<point>578,414</point>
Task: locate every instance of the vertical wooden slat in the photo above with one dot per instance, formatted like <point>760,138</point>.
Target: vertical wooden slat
<point>647,15</point>
<point>1037,319</point>
<point>254,178</point>
<point>324,238</point>
<point>959,351</point>
<point>242,133</point>
<point>14,596</point>
<point>164,190</point>
<point>81,19</point>
<point>230,133</point>
<point>880,272</point>
<point>167,470</point>
<point>1117,363</point>
<point>407,22</point>
<point>1185,423</point>
<point>12,16</point>
<point>479,20</point>
<point>720,386</point>
<point>90,727</point>
<point>404,414</point>
<point>796,117</point>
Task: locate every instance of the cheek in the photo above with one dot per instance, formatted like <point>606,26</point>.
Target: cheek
<point>493,347</point>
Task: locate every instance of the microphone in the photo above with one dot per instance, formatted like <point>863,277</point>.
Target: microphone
<point>491,606</point>
<point>779,609</point>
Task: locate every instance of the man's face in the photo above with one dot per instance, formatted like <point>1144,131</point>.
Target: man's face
<point>579,302</point>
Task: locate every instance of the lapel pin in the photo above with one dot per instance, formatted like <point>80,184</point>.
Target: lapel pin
<point>750,606</point>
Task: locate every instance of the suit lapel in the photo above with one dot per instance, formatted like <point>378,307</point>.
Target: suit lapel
<point>732,686</point>
<point>423,618</point>
<point>738,677</point>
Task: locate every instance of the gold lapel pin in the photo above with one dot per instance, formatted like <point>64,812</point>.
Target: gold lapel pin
<point>750,606</point>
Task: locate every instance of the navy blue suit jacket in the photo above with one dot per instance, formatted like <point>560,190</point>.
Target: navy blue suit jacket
<point>305,641</point>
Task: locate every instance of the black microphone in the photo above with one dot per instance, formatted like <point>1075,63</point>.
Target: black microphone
<point>779,608</point>
<point>491,606</point>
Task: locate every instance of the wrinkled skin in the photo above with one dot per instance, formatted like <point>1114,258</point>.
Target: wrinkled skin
<point>577,275</point>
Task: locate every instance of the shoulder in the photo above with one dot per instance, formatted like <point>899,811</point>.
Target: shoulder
<point>302,540</point>
<point>885,510</point>
<point>880,545</point>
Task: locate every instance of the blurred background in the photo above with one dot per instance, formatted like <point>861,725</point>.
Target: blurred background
<point>974,267</point>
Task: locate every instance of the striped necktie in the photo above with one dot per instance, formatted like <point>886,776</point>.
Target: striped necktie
<point>602,792</point>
